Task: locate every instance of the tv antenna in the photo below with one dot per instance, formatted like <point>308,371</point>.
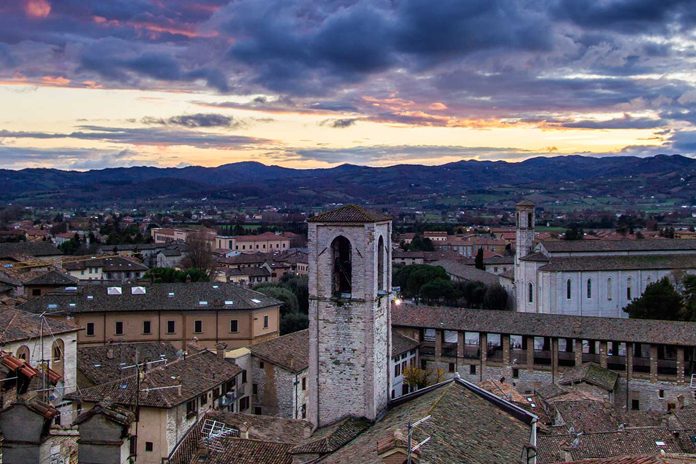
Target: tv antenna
<point>411,427</point>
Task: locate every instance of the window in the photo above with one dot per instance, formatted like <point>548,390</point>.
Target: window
<point>304,411</point>
<point>304,383</point>
<point>530,222</point>
<point>234,326</point>
<point>119,328</point>
<point>569,290</point>
<point>661,394</point>
<point>265,322</point>
<point>90,329</point>
<point>257,410</point>
<point>198,326</point>
<point>397,370</point>
<point>149,446</point>
<point>23,352</point>
<point>244,376</point>
<point>589,288</point>
<point>342,266</point>
<point>261,364</point>
<point>254,389</point>
<point>472,369</point>
<point>35,292</point>
<point>190,409</point>
<point>147,329</point>
<point>635,405</point>
<point>530,290</point>
<point>609,289</point>
<point>380,264</point>
<point>244,403</point>
<point>171,327</point>
<point>451,367</point>
<point>57,350</point>
<point>628,289</point>
<point>204,399</point>
<point>515,373</point>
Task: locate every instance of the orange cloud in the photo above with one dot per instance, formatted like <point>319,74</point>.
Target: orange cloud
<point>37,8</point>
<point>57,81</point>
<point>437,106</point>
<point>92,84</point>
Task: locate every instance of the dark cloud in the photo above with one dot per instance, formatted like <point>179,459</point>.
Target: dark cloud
<point>70,158</point>
<point>684,142</point>
<point>145,136</point>
<point>194,120</point>
<point>339,123</point>
<point>626,122</point>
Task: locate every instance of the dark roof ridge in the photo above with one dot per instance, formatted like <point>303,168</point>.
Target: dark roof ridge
<point>349,214</point>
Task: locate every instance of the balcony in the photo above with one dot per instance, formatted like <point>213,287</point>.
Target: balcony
<point>590,357</point>
<point>667,367</point>
<point>427,349</point>
<point>518,357</point>
<point>494,353</point>
<point>641,365</point>
<point>616,363</point>
<point>542,358</point>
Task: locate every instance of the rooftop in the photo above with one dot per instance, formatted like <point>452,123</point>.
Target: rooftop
<point>54,278</point>
<point>349,214</point>
<point>580,246</point>
<point>116,264</point>
<point>616,263</point>
<point>17,325</point>
<point>190,296</point>
<point>289,351</point>
<point>35,249</point>
<point>196,374</point>
<point>402,343</point>
<point>546,325</point>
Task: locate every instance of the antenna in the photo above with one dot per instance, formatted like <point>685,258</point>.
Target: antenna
<point>412,426</point>
<point>213,431</point>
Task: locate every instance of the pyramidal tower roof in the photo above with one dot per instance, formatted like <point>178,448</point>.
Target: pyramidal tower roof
<point>349,214</point>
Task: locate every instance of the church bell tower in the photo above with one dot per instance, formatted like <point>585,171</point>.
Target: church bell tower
<point>349,314</point>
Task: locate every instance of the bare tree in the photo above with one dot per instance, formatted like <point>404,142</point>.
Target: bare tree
<point>199,253</point>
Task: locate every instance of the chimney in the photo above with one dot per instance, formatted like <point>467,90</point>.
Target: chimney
<point>110,353</point>
<point>680,401</point>
<point>178,389</point>
<point>244,430</point>
<point>220,347</point>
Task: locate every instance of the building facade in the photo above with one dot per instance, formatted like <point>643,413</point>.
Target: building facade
<point>349,328</point>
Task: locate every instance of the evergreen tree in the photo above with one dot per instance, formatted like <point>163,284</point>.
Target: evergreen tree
<point>478,261</point>
<point>659,301</point>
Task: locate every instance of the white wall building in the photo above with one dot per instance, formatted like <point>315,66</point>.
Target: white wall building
<point>591,277</point>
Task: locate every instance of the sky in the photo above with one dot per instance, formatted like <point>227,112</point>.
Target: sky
<point>87,84</point>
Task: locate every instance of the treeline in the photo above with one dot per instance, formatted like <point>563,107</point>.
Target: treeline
<point>432,285</point>
<point>293,292</point>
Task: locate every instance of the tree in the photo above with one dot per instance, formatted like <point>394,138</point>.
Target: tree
<point>659,301</point>
<point>421,244</point>
<point>415,377</point>
<point>495,297</point>
<point>411,278</point>
<point>291,318</point>
<point>473,293</point>
<point>437,290</point>
<point>478,261</point>
<point>574,232</point>
<point>199,253</point>
<point>689,294</point>
<point>171,275</point>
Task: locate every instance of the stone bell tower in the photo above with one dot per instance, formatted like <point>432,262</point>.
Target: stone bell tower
<point>524,237</point>
<point>349,314</point>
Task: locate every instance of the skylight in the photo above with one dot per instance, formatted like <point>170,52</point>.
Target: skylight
<point>255,300</point>
<point>203,303</point>
<point>229,302</point>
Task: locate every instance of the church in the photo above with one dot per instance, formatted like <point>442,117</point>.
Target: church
<point>590,277</point>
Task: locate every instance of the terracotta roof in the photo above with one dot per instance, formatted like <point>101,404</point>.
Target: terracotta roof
<point>289,351</point>
<point>646,441</point>
<point>525,203</point>
<point>546,325</point>
<point>535,257</point>
<point>39,407</point>
<point>349,214</point>
<point>588,416</point>
<point>402,343</point>
<point>469,273</point>
<point>197,374</point>
<point>467,424</point>
<point>102,364</point>
<point>193,296</point>
<point>247,451</point>
<point>16,325</point>
<point>53,277</point>
<point>266,236</point>
<point>114,413</point>
<point>582,246</point>
<point>591,373</point>
<point>617,263</point>
<point>117,264</point>
<point>658,459</point>
<point>35,249</point>
<point>332,438</point>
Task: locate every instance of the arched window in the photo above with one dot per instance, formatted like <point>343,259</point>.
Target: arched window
<point>610,290</point>
<point>23,353</point>
<point>529,221</point>
<point>589,288</point>
<point>57,350</point>
<point>569,289</point>
<point>342,266</point>
<point>628,289</point>
<point>380,264</point>
<point>531,293</point>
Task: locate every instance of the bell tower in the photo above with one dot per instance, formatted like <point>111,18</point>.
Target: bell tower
<point>524,237</point>
<point>349,314</point>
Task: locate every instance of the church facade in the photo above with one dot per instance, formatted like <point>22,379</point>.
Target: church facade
<point>590,277</point>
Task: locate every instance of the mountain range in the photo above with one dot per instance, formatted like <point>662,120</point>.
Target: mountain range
<point>564,179</point>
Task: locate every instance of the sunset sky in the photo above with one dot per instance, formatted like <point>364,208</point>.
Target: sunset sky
<point>307,83</point>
